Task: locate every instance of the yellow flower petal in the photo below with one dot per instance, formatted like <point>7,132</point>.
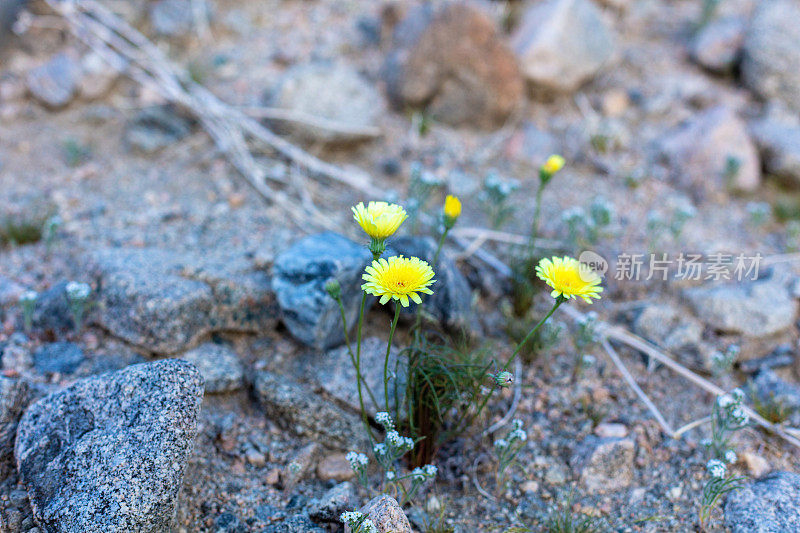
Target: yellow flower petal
<point>379,219</point>
<point>398,278</point>
<point>569,278</point>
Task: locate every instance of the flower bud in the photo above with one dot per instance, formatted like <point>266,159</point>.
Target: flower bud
<point>452,210</point>
<point>553,164</point>
<point>334,289</point>
<point>504,379</point>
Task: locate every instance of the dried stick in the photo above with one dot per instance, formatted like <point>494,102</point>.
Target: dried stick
<point>612,354</point>
<point>290,115</point>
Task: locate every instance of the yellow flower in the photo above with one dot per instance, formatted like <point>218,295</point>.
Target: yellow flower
<point>398,278</point>
<point>569,278</point>
<point>553,164</point>
<point>379,219</point>
<point>452,207</point>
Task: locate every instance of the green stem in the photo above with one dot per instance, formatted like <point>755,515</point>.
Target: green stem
<point>559,301</point>
<point>357,368</point>
<point>358,365</point>
<point>439,248</point>
<point>537,213</point>
<point>388,350</point>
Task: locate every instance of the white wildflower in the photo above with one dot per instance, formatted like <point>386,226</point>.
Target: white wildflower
<point>716,468</point>
<point>730,457</point>
<point>383,418</point>
<point>430,470</point>
<point>78,291</point>
<point>726,400</point>
<point>390,475</point>
<point>501,443</point>
<point>357,460</point>
<point>418,474</point>
<point>379,449</point>
<point>28,297</point>
<point>518,434</point>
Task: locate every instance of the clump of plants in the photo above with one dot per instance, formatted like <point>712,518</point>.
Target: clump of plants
<point>447,386</point>
<point>727,416</point>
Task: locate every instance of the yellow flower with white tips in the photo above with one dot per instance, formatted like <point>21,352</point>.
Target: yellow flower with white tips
<point>398,278</point>
<point>569,278</point>
<point>379,219</point>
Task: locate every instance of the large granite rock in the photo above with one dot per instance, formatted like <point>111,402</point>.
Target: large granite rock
<point>298,408</point>
<point>219,365</point>
<point>448,58</point>
<point>386,514</point>
<point>562,43</point>
<point>771,59</point>
<point>701,151</point>
<point>14,397</point>
<point>300,275</point>
<point>767,505</point>
<point>327,93</point>
<point>755,309</point>
<point>779,144</point>
<point>165,301</point>
<point>108,453</point>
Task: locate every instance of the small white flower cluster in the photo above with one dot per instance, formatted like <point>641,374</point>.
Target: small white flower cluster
<point>77,291</point>
<point>426,472</point>
<point>498,187</point>
<point>28,297</point>
<point>730,457</point>
<point>358,522</point>
<point>731,407</point>
<point>383,418</point>
<point>501,443</point>
<point>358,461</point>
<point>517,433</point>
<point>716,468</point>
<point>395,440</point>
<point>723,361</point>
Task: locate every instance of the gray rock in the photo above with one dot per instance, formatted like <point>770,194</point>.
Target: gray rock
<point>451,298</point>
<point>307,414</point>
<point>219,365</point>
<point>334,502</point>
<point>171,18</point>
<point>300,275</point>
<point>9,9</point>
<point>780,149</point>
<point>295,524</point>
<point>450,59</point>
<point>14,398</point>
<point>165,301</point>
<point>605,464</point>
<point>386,514</point>
<point>701,151</point>
<point>781,356</point>
<point>62,357</point>
<point>55,83</point>
<point>15,353</point>
<point>533,145</point>
<point>155,128</point>
<point>562,43</point>
<point>718,45</point>
<point>108,453</point>
<point>669,327</point>
<point>334,374</point>
<point>756,309</point>
<point>10,291</point>
<point>771,58</point>
<point>770,388</point>
<point>331,92</point>
<point>52,309</point>
<point>768,505</point>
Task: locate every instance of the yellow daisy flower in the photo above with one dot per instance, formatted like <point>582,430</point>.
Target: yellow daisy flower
<point>398,278</point>
<point>569,278</point>
<point>379,219</point>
